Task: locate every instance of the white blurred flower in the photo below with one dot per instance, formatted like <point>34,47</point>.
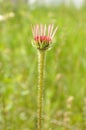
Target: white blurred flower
<point>6,16</point>
<point>2,18</point>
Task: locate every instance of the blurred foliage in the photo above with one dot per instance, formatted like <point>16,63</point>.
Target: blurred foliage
<point>65,77</point>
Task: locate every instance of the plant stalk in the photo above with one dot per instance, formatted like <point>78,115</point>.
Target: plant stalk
<point>41,62</point>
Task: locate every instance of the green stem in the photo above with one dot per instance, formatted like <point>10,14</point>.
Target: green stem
<point>41,59</point>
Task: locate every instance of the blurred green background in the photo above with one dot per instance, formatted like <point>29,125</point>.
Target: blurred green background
<point>65,75</point>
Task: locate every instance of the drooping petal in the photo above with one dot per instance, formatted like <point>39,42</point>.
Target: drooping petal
<point>45,30</point>
<point>49,30</point>
<point>52,26</point>
<point>41,28</point>
<point>36,30</point>
<point>54,32</point>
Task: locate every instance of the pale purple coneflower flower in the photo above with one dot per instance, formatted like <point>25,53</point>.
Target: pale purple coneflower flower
<point>43,35</point>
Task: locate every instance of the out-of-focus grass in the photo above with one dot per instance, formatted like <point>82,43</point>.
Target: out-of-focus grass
<point>65,78</point>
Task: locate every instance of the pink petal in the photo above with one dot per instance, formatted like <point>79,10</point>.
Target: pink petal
<point>49,30</point>
<point>52,26</point>
<point>45,30</point>
<point>54,32</point>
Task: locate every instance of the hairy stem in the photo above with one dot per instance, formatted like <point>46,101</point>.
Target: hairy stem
<point>41,60</point>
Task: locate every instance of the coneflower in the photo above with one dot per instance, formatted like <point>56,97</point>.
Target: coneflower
<point>43,40</point>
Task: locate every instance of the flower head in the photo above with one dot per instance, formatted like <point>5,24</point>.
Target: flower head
<point>43,36</point>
